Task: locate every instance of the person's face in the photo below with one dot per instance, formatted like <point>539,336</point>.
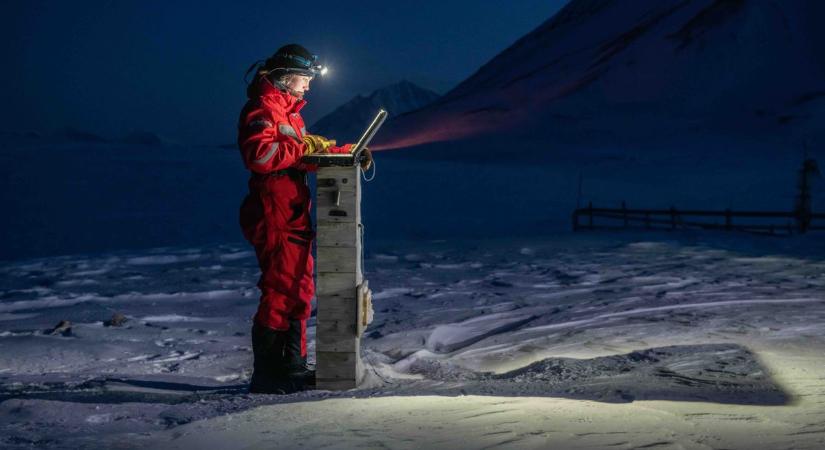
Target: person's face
<point>299,84</point>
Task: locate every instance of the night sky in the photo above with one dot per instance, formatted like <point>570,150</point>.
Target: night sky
<point>176,68</point>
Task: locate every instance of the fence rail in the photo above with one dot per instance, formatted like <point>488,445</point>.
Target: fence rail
<point>670,219</point>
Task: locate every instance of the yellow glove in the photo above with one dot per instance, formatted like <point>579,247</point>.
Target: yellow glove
<point>317,144</point>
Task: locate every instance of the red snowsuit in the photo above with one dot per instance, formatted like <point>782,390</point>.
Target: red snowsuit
<point>275,215</point>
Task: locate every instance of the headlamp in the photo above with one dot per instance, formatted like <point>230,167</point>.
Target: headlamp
<point>309,65</point>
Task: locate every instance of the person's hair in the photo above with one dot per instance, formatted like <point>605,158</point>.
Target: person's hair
<point>286,78</point>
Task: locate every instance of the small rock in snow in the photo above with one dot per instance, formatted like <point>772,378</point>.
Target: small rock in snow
<point>117,320</point>
<point>64,327</point>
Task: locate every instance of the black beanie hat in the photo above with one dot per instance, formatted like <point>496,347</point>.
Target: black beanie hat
<point>292,58</point>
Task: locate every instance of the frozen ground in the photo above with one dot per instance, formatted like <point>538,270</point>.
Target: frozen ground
<point>573,341</point>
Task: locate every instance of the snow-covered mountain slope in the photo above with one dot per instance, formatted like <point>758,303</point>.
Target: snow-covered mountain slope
<point>347,122</point>
<point>601,69</point>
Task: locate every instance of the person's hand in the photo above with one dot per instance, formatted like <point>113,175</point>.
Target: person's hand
<point>317,144</point>
<point>366,159</point>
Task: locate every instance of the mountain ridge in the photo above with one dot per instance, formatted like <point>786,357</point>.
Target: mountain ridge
<point>347,122</point>
<point>640,69</point>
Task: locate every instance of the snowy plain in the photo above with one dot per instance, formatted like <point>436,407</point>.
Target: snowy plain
<point>494,325</point>
<point>678,340</point>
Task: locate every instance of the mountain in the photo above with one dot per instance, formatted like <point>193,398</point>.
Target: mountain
<point>348,121</point>
<point>642,69</point>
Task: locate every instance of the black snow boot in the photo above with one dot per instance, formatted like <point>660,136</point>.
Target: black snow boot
<point>297,370</point>
<point>269,369</point>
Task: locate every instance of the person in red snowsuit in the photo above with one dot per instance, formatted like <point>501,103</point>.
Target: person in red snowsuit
<point>275,215</point>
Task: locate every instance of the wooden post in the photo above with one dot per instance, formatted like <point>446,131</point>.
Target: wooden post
<point>344,301</point>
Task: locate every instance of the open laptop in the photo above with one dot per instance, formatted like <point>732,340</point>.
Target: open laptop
<point>349,159</point>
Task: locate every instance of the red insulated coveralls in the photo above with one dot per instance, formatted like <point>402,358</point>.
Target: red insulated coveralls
<point>275,215</point>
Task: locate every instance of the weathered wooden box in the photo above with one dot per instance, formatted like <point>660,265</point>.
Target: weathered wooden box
<point>344,300</point>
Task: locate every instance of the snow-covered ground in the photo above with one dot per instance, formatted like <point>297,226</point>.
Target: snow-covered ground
<point>572,341</point>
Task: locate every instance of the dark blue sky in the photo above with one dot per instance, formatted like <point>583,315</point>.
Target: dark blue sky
<point>176,68</point>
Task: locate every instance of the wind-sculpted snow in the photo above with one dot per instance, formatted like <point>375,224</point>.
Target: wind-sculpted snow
<point>451,337</point>
<point>609,319</point>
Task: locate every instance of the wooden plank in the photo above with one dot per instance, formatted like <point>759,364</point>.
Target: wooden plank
<point>348,209</point>
<point>329,182</point>
<point>336,324</point>
<point>338,259</point>
<point>340,284</point>
<point>329,198</point>
<point>340,365</point>
<point>338,234</point>
<point>336,344</point>
<point>352,174</point>
<point>332,345</point>
<point>338,307</point>
<point>338,328</point>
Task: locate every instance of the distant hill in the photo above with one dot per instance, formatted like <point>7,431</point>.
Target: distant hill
<point>348,121</point>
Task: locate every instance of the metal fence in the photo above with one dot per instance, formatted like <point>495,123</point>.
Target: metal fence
<point>762,222</point>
